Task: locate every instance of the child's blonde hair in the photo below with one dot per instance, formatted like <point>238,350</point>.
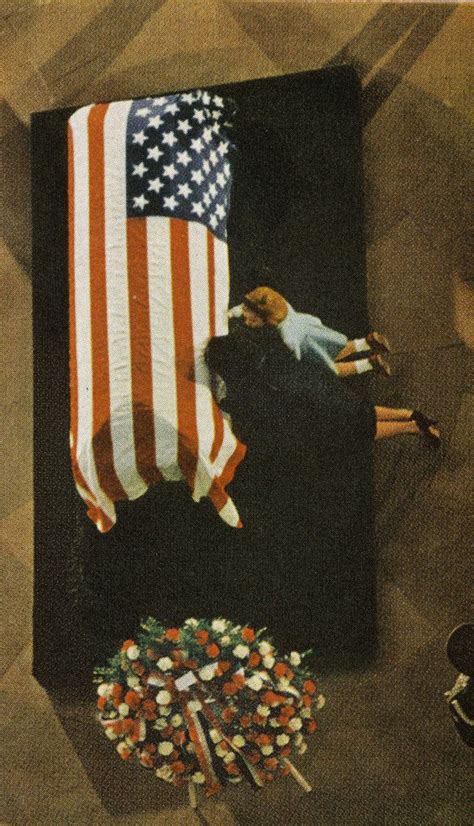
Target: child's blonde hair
<point>267,304</point>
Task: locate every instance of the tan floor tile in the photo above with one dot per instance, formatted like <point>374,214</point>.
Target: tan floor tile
<point>45,780</point>
<point>443,69</point>
<point>402,629</point>
<point>16,534</point>
<point>224,53</point>
<point>410,291</point>
<point>299,36</point>
<point>16,479</point>
<point>16,588</point>
<point>15,287</point>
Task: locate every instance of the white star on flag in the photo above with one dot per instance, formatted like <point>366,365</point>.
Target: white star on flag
<point>170,171</point>
<point>198,208</point>
<point>155,121</point>
<point>184,158</point>
<point>207,135</point>
<point>155,185</point>
<point>206,166</point>
<point>188,97</point>
<point>218,101</point>
<point>223,148</point>
<point>172,108</point>
<point>142,113</point>
<point>197,145</point>
<point>139,137</point>
<point>139,169</point>
<point>206,98</point>
<point>170,203</point>
<point>197,176</point>
<point>154,152</point>
<point>220,211</point>
<point>184,190</point>
<point>140,202</point>
<point>213,221</point>
<point>159,101</point>
<point>184,126</point>
<point>199,115</point>
<point>220,178</point>
<point>169,138</point>
<point>213,157</point>
<point>212,190</point>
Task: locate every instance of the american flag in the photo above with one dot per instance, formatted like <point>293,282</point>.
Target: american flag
<point>149,185</point>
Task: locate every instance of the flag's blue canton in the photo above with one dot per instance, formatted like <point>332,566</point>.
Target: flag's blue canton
<point>178,158</point>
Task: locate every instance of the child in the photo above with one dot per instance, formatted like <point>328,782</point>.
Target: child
<point>306,335</point>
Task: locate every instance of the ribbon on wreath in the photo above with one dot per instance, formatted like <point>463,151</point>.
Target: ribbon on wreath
<point>199,720</point>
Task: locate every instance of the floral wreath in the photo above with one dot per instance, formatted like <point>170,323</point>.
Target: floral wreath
<point>207,703</point>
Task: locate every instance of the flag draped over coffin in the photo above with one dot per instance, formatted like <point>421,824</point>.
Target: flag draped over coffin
<point>149,185</point>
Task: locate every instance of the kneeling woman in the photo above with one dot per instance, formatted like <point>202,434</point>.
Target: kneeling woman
<point>268,389</point>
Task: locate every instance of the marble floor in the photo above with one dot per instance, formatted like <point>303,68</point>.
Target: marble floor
<point>386,752</point>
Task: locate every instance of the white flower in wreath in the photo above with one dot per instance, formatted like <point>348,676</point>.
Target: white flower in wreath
<point>269,661</point>
<point>241,651</point>
<point>254,682</point>
<point>130,742</point>
<point>238,741</point>
<point>225,640</point>
<point>302,748</point>
<point>215,736</point>
<point>220,751</point>
<point>111,734</point>
<point>219,625</point>
<point>282,739</point>
<point>237,779</point>
<point>165,748</point>
<point>263,710</point>
<point>163,698</point>
<point>283,683</point>
<point>176,720</point>
<point>305,713</point>
<point>104,689</point>
<point>295,658</point>
<point>265,648</point>
<point>164,710</point>
<point>274,723</point>
<point>195,705</point>
<point>198,777</point>
<point>190,748</point>
<point>133,681</point>
<point>122,747</point>
<point>165,663</point>
<point>230,757</point>
<point>133,652</point>
<point>165,773</point>
<point>321,701</point>
<point>160,724</point>
<point>207,672</point>
<point>123,709</point>
<point>295,724</point>
<point>298,739</point>
<point>267,750</point>
<point>191,622</point>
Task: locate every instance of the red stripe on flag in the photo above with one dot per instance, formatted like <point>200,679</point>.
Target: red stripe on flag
<point>217,493</point>
<point>184,353</point>
<point>216,413</point>
<point>140,344</point>
<point>103,451</point>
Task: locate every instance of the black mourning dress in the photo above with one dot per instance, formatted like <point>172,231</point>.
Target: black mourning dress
<point>304,492</point>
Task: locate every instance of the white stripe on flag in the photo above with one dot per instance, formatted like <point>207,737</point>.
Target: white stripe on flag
<point>84,448</point>
<point>199,279</point>
<point>118,322</point>
<point>165,404</point>
<point>221,256</point>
